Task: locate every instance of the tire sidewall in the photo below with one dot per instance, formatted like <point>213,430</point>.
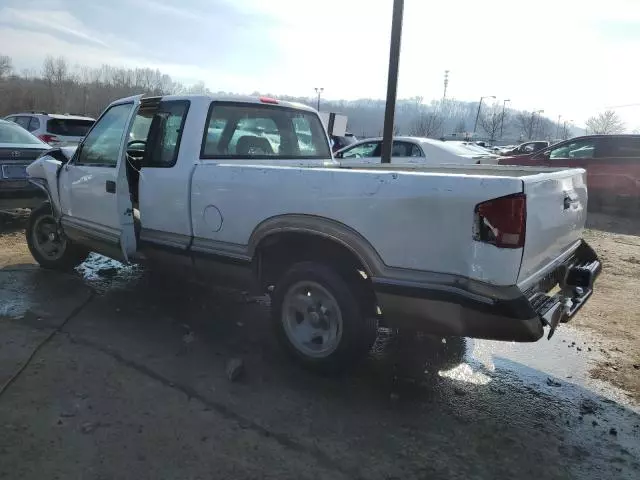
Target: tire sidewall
<point>351,343</point>
<point>72,255</point>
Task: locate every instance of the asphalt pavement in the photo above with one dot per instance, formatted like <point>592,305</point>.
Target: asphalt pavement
<point>130,379</point>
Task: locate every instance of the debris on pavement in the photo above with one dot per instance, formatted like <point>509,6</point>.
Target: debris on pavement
<point>235,369</point>
<point>553,383</point>
<point>588,407</point>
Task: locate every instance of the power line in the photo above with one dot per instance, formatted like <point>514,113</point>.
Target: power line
<point>623,106</point>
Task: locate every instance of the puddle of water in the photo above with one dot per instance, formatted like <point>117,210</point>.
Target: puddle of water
<point>559,359</point>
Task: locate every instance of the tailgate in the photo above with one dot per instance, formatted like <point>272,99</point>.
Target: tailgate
<point>556,215</point>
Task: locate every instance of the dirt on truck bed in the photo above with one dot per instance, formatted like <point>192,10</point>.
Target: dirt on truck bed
<point>109,372</point>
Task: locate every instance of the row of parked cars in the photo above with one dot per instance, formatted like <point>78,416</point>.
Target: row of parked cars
<point>612,161</point>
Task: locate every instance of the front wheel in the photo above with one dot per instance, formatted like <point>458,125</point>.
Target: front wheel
<point>319,317</point>
<point>48,245</point>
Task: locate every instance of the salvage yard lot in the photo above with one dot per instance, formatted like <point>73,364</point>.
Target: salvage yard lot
<point>133,385</point>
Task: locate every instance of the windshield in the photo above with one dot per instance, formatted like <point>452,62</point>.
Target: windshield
<point>12,133</point>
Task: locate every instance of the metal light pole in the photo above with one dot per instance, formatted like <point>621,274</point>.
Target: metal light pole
<point>475,125</point>
<point>504,104</point>
<point>558,129</point>
<point>392,80</point>
<point>319,91</point>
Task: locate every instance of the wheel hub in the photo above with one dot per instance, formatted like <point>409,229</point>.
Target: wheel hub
<point>312,319</point>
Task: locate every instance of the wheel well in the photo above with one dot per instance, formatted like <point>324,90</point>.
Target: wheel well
<point>276,253</point>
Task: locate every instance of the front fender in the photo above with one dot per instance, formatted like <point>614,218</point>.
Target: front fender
<point>43,173</point>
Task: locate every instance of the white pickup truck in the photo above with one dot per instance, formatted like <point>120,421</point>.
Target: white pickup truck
<point>245,192</point>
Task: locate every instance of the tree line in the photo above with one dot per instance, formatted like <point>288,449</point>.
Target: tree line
<point>60,87</point>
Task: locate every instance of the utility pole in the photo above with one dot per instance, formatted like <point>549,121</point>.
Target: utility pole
<point>392,80</point>
<point>504,104</point>
<point>319,91</point>
<point>475,125</point>
<point>446,84</point>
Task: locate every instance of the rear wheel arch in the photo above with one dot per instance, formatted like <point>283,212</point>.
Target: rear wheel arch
<point>316,229</point>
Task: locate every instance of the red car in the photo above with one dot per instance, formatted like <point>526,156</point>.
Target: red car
<point>612,163</point>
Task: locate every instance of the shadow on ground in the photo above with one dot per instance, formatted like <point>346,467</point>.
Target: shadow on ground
<point>402,413</point>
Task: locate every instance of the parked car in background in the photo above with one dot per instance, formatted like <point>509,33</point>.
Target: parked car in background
<point>527,147</point>
<point>414,150</point>
<point>18,148</point>
<point>476,147</point>
<point>339,142</point>
<point>612,163</point>
<point>54,129</point>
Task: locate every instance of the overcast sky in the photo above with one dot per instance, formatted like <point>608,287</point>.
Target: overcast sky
<point>569,57</point>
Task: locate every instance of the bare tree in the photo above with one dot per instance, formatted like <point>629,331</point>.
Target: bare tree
<point>606,123</point>
<point>6,66</point>
<point>526,122</point>
<point>565,132</point>
<point>491,123</point>
<point>427,125</point>
<point>461,126</point>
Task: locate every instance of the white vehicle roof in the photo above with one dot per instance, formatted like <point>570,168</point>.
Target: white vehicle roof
<point>429,145</point>
<point>261,100</point>
<point>61,116</point>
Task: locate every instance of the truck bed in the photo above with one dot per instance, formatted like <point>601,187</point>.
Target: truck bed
<point>475,170</point>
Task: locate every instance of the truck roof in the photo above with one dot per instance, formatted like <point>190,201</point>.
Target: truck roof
<point>263,100</point>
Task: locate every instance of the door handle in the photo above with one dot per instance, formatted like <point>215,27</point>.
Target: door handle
<point>110,186</point>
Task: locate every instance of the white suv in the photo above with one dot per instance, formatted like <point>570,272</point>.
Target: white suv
<point>56,130</point>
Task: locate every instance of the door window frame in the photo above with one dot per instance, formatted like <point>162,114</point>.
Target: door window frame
<point>154,135</point>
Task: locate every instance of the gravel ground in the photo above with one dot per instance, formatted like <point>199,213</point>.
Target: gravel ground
<point>133,383</point>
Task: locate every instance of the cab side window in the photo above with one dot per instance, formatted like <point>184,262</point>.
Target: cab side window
<point>623,147</point>
<point>263,131</point>
<point>165,133</point>
<point>584,148</point>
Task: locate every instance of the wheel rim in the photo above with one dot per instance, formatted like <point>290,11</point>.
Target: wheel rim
<point>46,238</point>
<point>312,319</point>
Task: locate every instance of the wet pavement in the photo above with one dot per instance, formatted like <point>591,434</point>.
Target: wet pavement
<point>134,385</point>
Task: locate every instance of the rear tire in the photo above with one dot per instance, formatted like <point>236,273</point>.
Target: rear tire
<point>319,318</point>
<point>48,245</point>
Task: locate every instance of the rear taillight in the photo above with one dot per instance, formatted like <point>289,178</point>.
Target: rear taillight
<point>502,221</point>
<point>50,139</point>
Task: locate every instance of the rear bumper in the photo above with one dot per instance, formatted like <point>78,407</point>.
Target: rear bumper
<point>497,313</point>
